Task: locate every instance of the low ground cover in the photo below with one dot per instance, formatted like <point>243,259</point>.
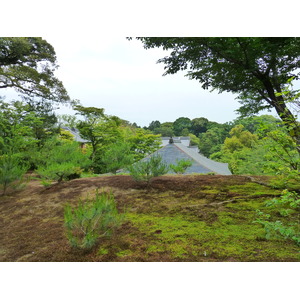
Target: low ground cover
<point>177,218</point>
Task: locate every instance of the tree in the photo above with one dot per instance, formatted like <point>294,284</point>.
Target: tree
<point>20,127</point>
<point>180,124</point>
<point>117,156</point>
<point>212,140</point>
<point>237,150</point>
<point>96,126</point>
<point>281,153</point>
<point>254,123</point>
<point>199,125</point>
<point>257,69</point>
<point>61,160</point>
<point>153,125</point>
<point>67,120</point>
<point>142,143</point>
<point>239,138</point>
<point>166,129</point>
<point>91,219</point>
<point>11,170</point>
<point>194,141</point>
<point>27,64</point>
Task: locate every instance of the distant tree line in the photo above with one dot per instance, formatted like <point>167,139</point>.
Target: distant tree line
<point>251,145</point>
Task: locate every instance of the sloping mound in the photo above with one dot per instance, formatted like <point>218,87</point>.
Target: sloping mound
<point>178,218</point>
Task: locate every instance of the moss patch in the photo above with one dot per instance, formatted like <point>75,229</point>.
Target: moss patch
<point>177,218</point>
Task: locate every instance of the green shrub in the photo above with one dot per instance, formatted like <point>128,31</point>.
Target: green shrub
<point>92,219</point>
<point>61,160</point>
<point>117,156</point>
<point>59,171</point>
<point>287,206</point>
<point>10,171</point>
<point>181,166</point>
<point>146,170</point>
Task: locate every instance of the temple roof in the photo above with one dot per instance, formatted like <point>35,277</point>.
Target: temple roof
<point>76,134</point>
<point>171,153</point>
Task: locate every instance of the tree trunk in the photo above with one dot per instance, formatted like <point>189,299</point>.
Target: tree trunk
<point>289,120</point>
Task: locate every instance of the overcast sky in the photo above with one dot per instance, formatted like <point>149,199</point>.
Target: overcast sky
<point>124,79</point>
<point>101,68</point>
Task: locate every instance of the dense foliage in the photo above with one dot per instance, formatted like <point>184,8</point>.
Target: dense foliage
<point>31,138</point>
<point>257,145</point>
<point>27,64</point>
<point>288,205</point>
<point>61,160</point>
<point>257,69</point>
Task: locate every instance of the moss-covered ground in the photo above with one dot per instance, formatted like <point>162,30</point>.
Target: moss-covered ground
<point>178,218</point>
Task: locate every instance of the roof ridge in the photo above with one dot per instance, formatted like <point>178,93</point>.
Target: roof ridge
<point>208,163</point>
<point>189,154</point>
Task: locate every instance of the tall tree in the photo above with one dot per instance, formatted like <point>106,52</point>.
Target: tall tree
<point>199,125</point>
<point>180,124</point>
<point>96,127</point>
<point>153,125</point>
<point>257,69</point>
<point>27,64</point>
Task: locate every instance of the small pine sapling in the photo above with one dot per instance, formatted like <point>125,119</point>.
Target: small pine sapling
<point>181,166</point>
<point>146,170</point>
<point>90,220</point>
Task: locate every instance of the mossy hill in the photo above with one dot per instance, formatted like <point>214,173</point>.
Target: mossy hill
<point>178,218</point>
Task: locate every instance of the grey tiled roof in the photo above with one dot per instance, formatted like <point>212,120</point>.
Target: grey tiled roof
<point>176,139</point>
<point>76,134</point>
<point>214,166</point>
<point>171,153</point>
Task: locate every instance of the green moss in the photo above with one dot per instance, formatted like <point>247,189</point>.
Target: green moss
<point>232,236</point>
<point>155,248</point>
<point>252,188</point>
<point>178,249</point>
<point>122,253</point>
<point>183,226</point>
<point>103,251</point>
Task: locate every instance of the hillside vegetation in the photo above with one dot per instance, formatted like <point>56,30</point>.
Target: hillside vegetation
<point>177,218</point>
<point>52,166</point>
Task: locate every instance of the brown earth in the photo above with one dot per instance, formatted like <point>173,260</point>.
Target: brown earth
<point>32,228</point>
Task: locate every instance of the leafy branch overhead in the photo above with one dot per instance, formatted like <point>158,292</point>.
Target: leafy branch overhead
<point>27,64</point>
<point>256,69</point>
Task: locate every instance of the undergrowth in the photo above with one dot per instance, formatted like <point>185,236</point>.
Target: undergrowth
<point>288,208</point>
<point>91,219</point>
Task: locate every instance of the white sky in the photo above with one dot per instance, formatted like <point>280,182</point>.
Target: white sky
<point>101,68</point>
<point>124,79</point>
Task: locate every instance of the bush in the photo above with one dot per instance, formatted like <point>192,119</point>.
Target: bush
<point>90,220</point>
<point>59,171</point>
<point>61,160</point>
<point>181,166</point>
<point>146,170</point>
<point>287,207</point>
<point>10,171</point>
<point>117,156</point>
